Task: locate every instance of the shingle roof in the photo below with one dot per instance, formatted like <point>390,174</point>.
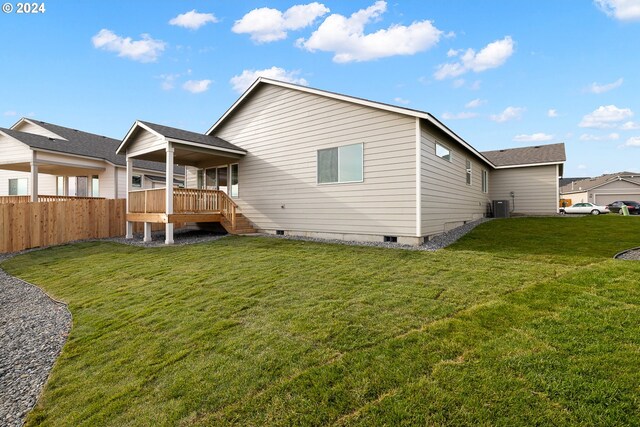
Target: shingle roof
<point>83,144</point>
<point>551,153</point>
<point>185,135</point>
<point>589,183</point>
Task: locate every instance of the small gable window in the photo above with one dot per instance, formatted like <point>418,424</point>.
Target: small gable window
<point>443,152</point>
<point>468,171</point>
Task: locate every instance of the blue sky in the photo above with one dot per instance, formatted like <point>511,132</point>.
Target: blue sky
<point>499,73</point>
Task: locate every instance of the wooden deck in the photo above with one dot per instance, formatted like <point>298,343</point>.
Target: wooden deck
<point>189,205</point>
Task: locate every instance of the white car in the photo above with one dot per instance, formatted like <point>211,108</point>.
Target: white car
<point>585,208</point>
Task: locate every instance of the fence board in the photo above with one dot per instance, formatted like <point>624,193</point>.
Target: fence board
<point>31,225</point>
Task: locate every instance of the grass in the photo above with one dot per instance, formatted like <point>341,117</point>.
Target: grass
<point>523,322</point>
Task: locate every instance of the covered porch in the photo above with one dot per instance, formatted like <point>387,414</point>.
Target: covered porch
<point>170,205</point>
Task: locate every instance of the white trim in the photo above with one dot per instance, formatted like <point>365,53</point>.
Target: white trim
<point>208,147</point>
<point>136,124</point>
<point>394,109</point>
<point>527,165</point>
<point>558,188</point>
<point>418,178</point>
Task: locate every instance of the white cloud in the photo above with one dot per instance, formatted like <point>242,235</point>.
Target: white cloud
<point>10,114</point>
<point>269,25</point>
<point>534,137</point>
<point>144,50</point>
<point>401,101</point>
<point>598,88</point>
<point>241,82</point>
<point>196,86</point>
<point>193,19</point>
<point>492,55</point>
<point>552,113</point>
<point>459,116</point>
<point>453,52</point>
<point>345,37</point>
<point>623,10</point>
<point>509,113</point>
<point>630,126</point>
<point>475,103</point>
<point>606,116</point>
<point>633,142</point>
<point>458,83</point>
<point>589,137</point>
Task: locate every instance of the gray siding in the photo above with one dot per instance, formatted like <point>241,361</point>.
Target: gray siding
<point>37,130</point>
<point>535,188</point>
<point>447,201</point>
<point>282,129</point>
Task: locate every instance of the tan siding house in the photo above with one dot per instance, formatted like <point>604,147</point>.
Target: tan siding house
<point>293,160</point>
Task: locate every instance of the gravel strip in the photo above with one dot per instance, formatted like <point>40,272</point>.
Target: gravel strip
<point>630,255</point>
<point>439,242</point>
<point>33,329</point>
<point>180,238</point>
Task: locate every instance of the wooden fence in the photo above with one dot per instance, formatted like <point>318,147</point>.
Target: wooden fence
<point>32,225</point>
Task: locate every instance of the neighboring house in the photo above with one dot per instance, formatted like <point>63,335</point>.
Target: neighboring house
<point>307,162</point>
<point>604,189</point>
<point>69,162</point>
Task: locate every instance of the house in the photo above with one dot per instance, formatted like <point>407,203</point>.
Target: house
<point>47,159</point>
<point>295,160</point>
<point>604,189</point>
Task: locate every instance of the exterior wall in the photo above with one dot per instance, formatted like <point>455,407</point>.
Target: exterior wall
<point>447,201</point>
<point>191,178</point>
<point>46,183</point>
<point>282,129</point>
<point>37,130</point>
<point>535,188</point>
<point>576,197</point>
<point>144,141</point>
<point>14,151</point>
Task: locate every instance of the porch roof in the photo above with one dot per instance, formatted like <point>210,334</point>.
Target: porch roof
<point>190,148</point>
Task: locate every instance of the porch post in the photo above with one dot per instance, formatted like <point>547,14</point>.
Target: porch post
<point>34,178</point>
<point>147,232</point>
<point>169,194</point>
<point>128,188</point>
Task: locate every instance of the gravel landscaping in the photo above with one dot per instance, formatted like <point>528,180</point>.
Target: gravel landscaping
<point>33,329</point>
<point>631,255</point>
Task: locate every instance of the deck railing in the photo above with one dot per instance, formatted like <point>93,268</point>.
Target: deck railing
<point>185,200</point>
<point>43,198</point>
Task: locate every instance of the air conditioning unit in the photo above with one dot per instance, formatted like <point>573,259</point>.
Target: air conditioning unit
<point>501,209</point>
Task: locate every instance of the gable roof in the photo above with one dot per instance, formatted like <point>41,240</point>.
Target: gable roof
<point>352,99</point>
<point>525,156</point>
<point>79,143</point>
<point>188,136</point>
<point>591,183</point>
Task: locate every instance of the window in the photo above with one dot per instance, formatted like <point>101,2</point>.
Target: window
<point>95,186</point>
<point>136,181</point>
<point>340,164</point>
<point>443,152</point>
<point>234,180</point>
<point>211,181</point>
<point>200,179</point>
<point>60,185</point>
<point>485,181</point>
<point>82,185</point>
<point>18,187</point>
<point>468,171</point>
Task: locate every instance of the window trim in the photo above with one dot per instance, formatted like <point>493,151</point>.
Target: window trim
<point>468,172</point>
<point>17,187</point>
<point>485,181</point>
<point>361,144</point>
<point>449,150</point>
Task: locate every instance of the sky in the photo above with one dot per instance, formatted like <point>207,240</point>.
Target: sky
<point>501,74</point>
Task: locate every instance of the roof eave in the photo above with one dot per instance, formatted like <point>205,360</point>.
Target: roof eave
<point>526,165</point>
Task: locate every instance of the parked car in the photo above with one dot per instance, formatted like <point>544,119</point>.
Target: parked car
<point>585,208</point>
<point>634,207</point>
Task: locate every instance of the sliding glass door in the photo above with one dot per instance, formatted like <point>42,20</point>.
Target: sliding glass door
<point>217,179</point>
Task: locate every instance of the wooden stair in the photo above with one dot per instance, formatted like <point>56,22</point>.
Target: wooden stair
<point>243,225</point>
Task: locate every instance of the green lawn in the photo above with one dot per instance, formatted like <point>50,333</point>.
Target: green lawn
<point>523,322</point>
